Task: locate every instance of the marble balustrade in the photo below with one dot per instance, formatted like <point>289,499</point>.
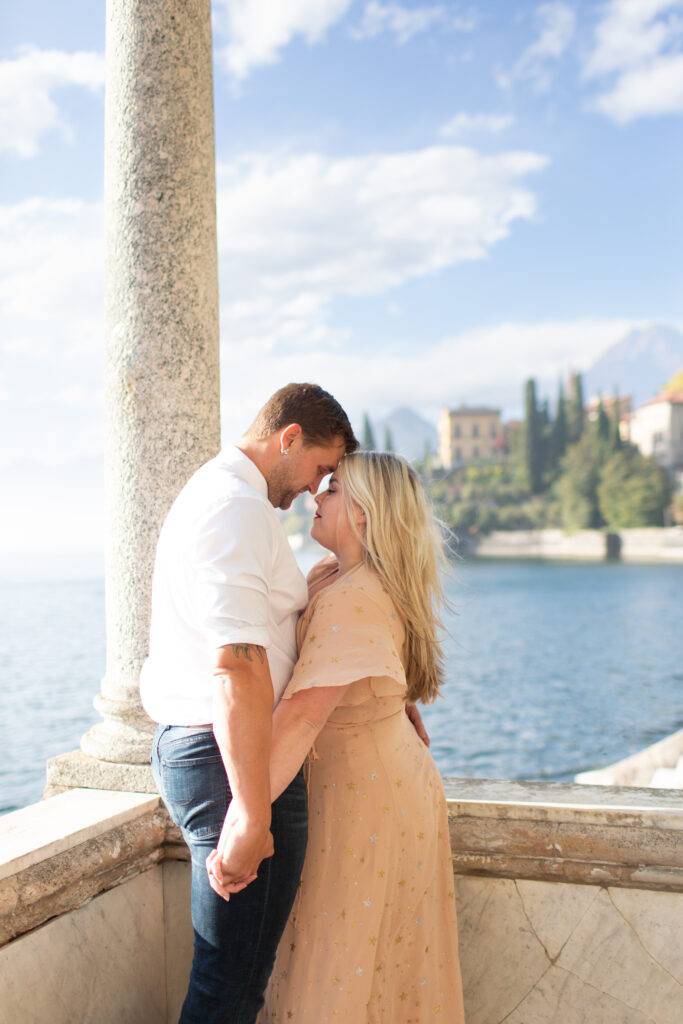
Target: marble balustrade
<point>570,904</point>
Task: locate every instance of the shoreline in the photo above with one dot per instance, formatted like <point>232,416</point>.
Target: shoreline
<point>646,544</point>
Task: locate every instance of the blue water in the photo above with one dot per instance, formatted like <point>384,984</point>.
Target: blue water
<point>552,669</point>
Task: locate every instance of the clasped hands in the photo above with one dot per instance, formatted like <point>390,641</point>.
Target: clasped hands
<point>242,845</point>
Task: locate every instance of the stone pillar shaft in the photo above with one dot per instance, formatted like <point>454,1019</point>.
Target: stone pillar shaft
<point>161,296</point>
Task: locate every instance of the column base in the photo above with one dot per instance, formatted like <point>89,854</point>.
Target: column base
<point>124,736</point>
<point>77,770</point>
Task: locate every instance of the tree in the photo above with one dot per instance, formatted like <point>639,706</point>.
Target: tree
<point>575,410</point>
<point>533,442</point>
<point>388,440</point>
<point>558,432</point>
<point>634,490</point>
<point>368,443</point>
<point>602,424</point>
<point>617,443</point>
<point>577,487</point>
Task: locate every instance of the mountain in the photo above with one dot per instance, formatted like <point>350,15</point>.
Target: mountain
<point>410,434</point>
<point>639,365</point>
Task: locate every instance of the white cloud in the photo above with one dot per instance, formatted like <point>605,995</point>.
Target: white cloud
<point>487,365</point>
<point>297,230</point>
<point>27,82</point>
<point>405,22</point>
<point>51,283</point>
<point>467,124</point>
<point>51,277</point>
<point>257,30</point>
<point>556,22</point>
<point>638,46</point>
<point>646,92</point>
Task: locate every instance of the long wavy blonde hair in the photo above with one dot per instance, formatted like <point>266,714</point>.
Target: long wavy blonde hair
<point>403,544</point>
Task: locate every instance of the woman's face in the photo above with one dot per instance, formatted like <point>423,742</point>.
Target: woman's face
<point>331,526</point>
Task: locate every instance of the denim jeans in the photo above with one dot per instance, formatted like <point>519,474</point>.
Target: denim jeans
<point>234,942</point>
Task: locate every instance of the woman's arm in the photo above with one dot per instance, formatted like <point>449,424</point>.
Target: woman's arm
<point>296,724</point>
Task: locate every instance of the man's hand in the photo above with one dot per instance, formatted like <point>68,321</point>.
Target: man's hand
<point>416,719</point>
<point>242,725</point>
<point>243,844</point>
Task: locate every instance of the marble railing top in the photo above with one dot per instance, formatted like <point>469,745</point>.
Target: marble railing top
<point>544,799</point>
<point>62,822</point>
<point>592,835</point>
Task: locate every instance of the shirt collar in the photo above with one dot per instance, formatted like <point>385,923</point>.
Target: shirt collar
<point>242,466</point>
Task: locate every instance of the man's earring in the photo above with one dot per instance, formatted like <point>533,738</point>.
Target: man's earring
<point>284,451</point>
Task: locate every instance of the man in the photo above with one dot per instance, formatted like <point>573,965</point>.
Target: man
<point>226,596</point>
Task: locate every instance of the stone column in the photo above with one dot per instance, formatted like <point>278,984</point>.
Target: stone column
<point>161,369</point>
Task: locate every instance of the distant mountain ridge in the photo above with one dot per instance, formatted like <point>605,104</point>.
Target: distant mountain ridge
<point>410,433</point>
<point>639,365</point>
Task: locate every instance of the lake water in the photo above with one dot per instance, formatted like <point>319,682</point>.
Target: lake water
<point>553,668</point>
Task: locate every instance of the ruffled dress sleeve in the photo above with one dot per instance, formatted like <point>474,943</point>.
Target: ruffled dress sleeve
<point>350,632</point>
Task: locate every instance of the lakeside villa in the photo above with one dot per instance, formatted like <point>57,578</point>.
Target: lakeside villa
<point>569,897</point>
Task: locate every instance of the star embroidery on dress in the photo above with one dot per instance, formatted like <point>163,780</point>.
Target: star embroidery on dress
<point>374,775</point>
<point>359,970</point>
<point>358,608</point>
<point>335,629</point>
<point>374,838</point>
<point>367,903</point>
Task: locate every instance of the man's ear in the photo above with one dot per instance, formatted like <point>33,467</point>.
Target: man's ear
<point>289,434</point>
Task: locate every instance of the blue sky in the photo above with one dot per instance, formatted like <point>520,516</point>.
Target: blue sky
<point>419,203</point>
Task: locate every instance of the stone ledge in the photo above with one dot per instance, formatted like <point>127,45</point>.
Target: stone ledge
<point>76,770</point>
<point>639,768</point>
<point>59,854</point>
<point>598,835</point>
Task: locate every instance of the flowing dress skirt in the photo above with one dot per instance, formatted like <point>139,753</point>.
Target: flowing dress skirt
<point>372,938</point>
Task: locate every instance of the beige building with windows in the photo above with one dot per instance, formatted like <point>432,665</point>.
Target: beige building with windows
<point>468,434</point>
<point>656,428</point>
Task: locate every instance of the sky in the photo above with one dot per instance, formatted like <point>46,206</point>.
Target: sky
<point>419,203</point>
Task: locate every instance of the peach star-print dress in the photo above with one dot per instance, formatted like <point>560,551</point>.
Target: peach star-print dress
<point>372,937</point>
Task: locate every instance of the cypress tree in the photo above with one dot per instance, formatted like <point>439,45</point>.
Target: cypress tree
<point>558,444</point>
<point>617,443</point>
<point>602,422</point>
<point>575,413</point>
<point>368,443</point>
<point>388,440</point>
<point>533,454</point>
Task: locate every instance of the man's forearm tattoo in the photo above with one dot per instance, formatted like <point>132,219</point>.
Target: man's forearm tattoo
<point>245,651</point>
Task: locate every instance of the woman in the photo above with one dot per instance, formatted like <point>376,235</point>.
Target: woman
<point>372,937</point>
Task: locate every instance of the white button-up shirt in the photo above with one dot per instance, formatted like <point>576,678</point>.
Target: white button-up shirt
<point>224,574</point>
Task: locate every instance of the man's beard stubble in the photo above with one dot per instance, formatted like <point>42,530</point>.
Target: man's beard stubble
<point>281,494</point>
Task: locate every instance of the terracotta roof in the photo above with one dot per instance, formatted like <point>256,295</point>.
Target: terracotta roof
<point>674,397</point>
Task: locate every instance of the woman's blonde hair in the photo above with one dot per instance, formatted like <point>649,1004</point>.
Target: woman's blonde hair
<point>403,545</point>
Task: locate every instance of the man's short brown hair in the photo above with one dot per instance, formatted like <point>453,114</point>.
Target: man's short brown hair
<point>319,415</point>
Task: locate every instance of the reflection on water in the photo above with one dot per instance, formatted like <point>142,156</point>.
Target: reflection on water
<point>552,669</point>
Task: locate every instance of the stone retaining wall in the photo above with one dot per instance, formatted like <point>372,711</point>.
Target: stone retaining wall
<point>646,545</point>
<point>570,906</point>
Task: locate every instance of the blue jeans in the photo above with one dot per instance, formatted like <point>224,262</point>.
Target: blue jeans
<point>234,942</point>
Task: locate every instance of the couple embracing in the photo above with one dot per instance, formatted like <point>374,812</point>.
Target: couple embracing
<point>329,897</point>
